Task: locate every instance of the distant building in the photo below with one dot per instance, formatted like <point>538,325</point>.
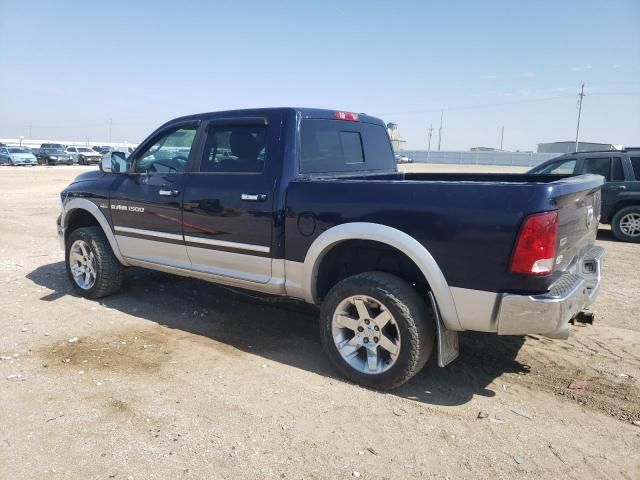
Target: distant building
<point>569,147</point>
<point>396,139</point>
<point>483,149</point>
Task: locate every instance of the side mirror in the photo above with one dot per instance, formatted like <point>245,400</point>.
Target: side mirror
<point>105,163</point>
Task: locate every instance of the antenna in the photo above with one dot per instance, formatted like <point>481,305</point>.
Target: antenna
<point>581,95</point>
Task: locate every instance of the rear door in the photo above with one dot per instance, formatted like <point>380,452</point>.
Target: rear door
<point>611,168</point>
<point>146,203</point>
<point>229,197</point>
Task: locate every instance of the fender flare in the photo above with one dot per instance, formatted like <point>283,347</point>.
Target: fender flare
<point>389,236</point>
<point>92,208</point>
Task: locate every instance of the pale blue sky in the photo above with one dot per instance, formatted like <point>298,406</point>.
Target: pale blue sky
<point>67,67</point>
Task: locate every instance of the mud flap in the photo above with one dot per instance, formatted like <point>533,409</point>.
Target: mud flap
<point>448,346</point>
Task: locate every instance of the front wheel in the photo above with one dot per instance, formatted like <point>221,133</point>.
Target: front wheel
<point>625,224</point>
<point>91,265</point>
<point>376,329</point>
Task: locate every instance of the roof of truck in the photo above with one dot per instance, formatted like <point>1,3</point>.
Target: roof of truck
<point>320,113</point>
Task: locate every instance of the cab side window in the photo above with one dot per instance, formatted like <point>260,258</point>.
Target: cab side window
<point>234,149</point>
<point>168,154</point>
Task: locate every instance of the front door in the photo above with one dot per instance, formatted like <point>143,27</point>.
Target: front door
<point>146,203</point>
<point>228,204</point>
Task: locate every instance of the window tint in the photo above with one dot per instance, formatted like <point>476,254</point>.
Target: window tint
<point>341,146</point>
<point>635,163</point>
<point>71,149</point>
<point>598,166</point>
<point>617,175</point>
<point>559,168</point>
<point>235,149</point>
<point>169,154</point>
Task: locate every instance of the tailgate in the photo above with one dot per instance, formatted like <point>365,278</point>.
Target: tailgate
<point>578,202</point>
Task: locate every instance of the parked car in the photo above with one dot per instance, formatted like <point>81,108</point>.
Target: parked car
<point>403,159</point>
<point>54,156</point>
<point>620,193</point>
<point>17,156</point>
<point>57,146</point>
<point>309,204</point>
<point>84,155</point>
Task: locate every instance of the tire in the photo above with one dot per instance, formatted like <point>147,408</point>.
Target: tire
<point>625,224</point>
<point>411,326</point>
<point>107,271</point>
<point>81,161</point>
<point>10,163</point>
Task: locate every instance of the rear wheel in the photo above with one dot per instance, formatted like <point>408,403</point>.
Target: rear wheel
<point>625,224</point>
<point>376,330</point>
<point>91,265</point>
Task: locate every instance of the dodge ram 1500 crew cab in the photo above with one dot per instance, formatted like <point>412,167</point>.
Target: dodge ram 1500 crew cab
<point>309,204</point>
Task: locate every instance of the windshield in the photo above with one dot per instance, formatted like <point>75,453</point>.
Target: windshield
<point>83,149</point>
<point>18,150</point>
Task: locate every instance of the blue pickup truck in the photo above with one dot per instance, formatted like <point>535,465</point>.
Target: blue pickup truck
<point>309,204</point>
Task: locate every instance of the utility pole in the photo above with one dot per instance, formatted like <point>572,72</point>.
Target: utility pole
<point>581,95</point>
<point>440,130</point>
<point>429,135</point>
<point>501,137</point>
<point>110,128</point>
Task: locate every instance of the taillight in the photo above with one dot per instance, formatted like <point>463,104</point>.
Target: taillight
<point>353,117</point>
<point>535,251</point>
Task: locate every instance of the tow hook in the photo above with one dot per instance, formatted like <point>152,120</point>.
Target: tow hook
<point>583,317</point>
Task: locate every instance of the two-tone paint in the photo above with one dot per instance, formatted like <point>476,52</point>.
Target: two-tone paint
<point>270,231</point>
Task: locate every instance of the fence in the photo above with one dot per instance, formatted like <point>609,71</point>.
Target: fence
<point>520,159</point>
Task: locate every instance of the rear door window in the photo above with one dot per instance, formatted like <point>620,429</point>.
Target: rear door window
<point>617,174</point>
<point>334,146</point>
<point>635,163</point>
<point>598,166</point>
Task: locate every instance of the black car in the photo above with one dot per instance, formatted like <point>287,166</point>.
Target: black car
<point>54,156</point>
<point>620,193</point>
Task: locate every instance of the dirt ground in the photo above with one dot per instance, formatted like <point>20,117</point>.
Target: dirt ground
<point>178,378</point>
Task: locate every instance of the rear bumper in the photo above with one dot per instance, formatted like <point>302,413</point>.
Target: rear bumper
<point>549,314</point>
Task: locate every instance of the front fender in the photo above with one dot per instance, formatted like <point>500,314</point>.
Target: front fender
<point>83,204</point>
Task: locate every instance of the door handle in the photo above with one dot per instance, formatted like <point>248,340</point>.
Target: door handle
<point>169,193</point>
<point>616,187</point>
<point>254,197</point>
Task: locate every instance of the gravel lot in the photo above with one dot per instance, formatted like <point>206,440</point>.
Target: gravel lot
<point>177,378</point>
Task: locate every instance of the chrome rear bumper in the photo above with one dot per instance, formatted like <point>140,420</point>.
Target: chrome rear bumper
<point>549,314</point>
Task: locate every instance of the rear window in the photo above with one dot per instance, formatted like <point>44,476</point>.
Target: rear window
<point>617,174</point>
<point>635,163</point>
<point>598,166</point>
<point>334,146</point>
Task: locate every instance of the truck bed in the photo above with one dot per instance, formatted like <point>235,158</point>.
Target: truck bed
<point>468,222</point>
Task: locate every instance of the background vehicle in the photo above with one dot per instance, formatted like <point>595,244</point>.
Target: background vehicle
<point>84,155</point>
<point>403,158</point>
<point>17,156</point>
<point>620,193</point>
<point>57,146</point>
<point>309,204</point>
<point>54,156</point>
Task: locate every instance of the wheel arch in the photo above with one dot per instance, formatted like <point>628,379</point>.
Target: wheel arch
<point>619,205</point>
<point>390,237</point>
<point>80,212</point>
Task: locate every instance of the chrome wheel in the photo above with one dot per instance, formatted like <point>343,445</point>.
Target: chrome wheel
<point>82,263</point>
<point>366,334</point>
<point>630,224</point>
